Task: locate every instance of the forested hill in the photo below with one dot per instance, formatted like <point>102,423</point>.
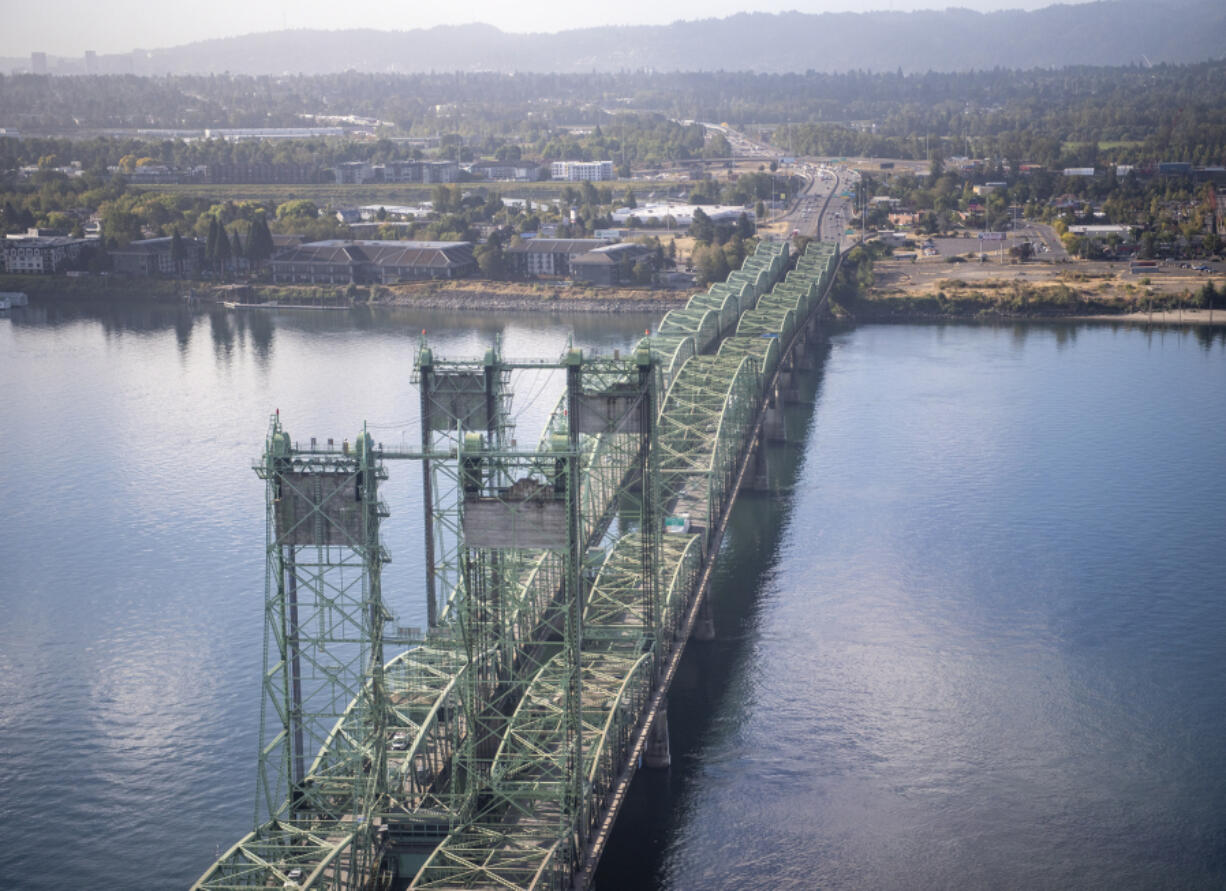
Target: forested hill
<point>1110,32</point>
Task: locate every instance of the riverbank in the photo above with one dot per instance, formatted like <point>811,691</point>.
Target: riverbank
<point>89,287</point>
<point>901,292</point>
<point>487,296</point>
<point>459,296</point>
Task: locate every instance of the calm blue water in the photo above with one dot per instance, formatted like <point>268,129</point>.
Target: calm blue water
<point>131,566</point>
<point>977,639</point>
<point>982,641</point>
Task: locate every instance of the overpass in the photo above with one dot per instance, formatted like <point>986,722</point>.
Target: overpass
<point>495,748</point>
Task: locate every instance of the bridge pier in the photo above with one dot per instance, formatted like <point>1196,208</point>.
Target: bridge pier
<point>704,624</point>
<point>774,425</point>
<point>789,374</point>
<point>758,479</point>
<point>656,754</point>
<point>806,356</point>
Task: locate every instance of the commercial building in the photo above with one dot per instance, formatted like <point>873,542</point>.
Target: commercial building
<point>682,215</point>
<point>417,172</point>
<point>508,171</point>
<point>286,172</point>
<point>39,254</point>
<point>580,171</point>
<point>359,172</point>
<point>154,256</point>
<point>337,262</point>
<point>612,264</point>
<point>547,256</point>
<point>1124,233</point>
<point>237,134</point>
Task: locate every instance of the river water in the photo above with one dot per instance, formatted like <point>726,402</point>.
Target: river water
<point>974,637</point>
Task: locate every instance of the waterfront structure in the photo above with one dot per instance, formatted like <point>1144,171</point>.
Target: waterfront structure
<point>581,171</point>
<point>534,257</point>
<point>39,254</point>
<point>340,262</point>
<point>612,264</point>
<point>561,582</point>
<point>155,256</point>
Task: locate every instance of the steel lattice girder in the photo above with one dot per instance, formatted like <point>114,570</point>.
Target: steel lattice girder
<point>706,413</point>
<point>530,768</point>
<point>614,612</point>
<point>699,322</point>
<point>763,349</point>
<point>431,678</point>
<point>727,306</point>
<point>530,777</point>
<point>319,856</point>
<point>670,351</point>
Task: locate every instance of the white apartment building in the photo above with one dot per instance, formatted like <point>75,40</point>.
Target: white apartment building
<point>580,171</point>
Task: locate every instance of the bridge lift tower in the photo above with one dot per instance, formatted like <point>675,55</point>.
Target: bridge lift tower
<point>511,536</point>
<point>323,660</point>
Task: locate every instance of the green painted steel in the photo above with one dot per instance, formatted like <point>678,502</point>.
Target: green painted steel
<point>483,755</point>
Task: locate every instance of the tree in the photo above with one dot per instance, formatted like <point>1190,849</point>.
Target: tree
<point>259,241</point>
<point>441,199</point>
<point>299,208</point>
<point>119,224</point>
<point>1207,296</point>
<point>640,274</point>
<point>210,244</point>
<point>223,250</point>
<point>701,227</point>
<point>178,253</point>
<point>490,260</point>
<point>710,264</point>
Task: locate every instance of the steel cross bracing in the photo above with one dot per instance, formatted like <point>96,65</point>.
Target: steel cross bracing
<point>511,725</point>
<point>324,619</point>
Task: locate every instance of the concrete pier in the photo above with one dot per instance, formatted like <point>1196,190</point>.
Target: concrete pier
<point>704,626</point>
<point>656,754</point>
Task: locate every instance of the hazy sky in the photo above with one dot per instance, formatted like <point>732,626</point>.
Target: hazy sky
<point>69,27</point>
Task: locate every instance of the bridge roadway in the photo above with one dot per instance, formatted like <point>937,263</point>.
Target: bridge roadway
<point>726,361</point>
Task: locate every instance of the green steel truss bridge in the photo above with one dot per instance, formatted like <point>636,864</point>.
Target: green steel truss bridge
<point>494,749</point>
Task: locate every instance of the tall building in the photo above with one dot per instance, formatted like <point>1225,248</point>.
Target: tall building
<point>38,63</point>
<point>91,62</point>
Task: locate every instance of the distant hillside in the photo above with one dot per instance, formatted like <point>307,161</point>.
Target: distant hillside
<point>1111,32</point>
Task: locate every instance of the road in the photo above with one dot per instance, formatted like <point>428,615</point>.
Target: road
<point>819,210</point>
